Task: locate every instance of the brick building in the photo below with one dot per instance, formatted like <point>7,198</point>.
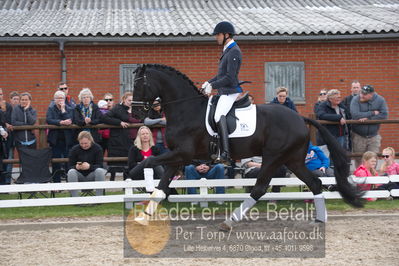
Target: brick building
<point>304,45</point>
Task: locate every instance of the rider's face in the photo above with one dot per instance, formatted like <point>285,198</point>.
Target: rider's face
<point>219,38</point>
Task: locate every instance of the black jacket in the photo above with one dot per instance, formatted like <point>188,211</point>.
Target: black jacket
<point>326,112</point>
<point>135,156</point>
<point>93,156</point>
<point>96,118</point>
<point>54,117</point>
<point>7,113</point>
<point>119,141</point>
<point>347,102</point>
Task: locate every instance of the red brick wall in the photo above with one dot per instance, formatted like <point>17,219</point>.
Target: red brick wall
<point>327,65</point>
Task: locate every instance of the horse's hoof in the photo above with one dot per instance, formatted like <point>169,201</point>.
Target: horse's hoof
<point>316,222</point>
<point>142,219</point>
<point>225,227</point>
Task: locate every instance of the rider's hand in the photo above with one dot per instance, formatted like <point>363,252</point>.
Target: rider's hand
<point>204,84</point>
<point>4,134</point>
<point>208,89</point>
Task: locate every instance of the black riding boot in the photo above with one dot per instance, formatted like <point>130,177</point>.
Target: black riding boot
<point>224,139</point>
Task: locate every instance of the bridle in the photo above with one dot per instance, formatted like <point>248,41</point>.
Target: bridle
<point>147,105</point>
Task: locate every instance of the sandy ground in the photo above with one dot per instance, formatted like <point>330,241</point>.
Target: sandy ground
<point>356,238</point>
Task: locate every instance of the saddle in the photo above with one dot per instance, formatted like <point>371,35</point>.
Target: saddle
<point>231,117</point>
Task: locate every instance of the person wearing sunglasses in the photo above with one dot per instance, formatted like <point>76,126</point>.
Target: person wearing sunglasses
<point>389,167</point>
<point>62,86</point>
<point>109,98</point>
<point>322,98</point>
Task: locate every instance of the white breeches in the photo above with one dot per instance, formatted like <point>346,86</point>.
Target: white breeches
<point>224,105</point>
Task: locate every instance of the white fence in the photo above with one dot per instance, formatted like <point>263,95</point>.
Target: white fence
<point>129,185</point>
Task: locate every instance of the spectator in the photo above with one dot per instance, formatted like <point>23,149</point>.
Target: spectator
<point>317,162</point>
<point>355,90</point>
<point>60,140</point>
<point>389,167</point>
<point>143,148</point>
<point>24,115</point>
<point>252,167</point>
<point>86,160</point>
<point>62,86</point>
<point>157,117</point>
<point>87,113</point>
<point>204,169</point>
<point>121,139</point>
<point>322,98</point>
<point>334,110</point>
<point>109,98</point>
<point>105,132</point>
<point>3,155</point>
<point>6,108</point>
<point>15,98</point>
<point>319,140</point>
<point>368,105</point>
<point>10,144</point>
<point>367,168</point>
<point>282,98</point>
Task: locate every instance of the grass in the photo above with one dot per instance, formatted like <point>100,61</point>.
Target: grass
<point>117,208</point>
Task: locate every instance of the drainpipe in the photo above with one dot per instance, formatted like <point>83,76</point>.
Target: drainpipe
<point>63,61</point>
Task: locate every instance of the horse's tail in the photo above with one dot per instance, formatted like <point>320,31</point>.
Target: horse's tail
<point>349,192</point>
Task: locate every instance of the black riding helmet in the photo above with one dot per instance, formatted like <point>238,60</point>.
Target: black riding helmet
<point>224,27</point>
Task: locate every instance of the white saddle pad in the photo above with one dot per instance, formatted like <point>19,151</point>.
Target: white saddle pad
<point>246,123</point>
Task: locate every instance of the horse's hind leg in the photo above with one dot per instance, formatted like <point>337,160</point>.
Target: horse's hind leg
<point>262,182</point>
<point>314,184</point>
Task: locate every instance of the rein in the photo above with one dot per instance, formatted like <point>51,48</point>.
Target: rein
<point>147,105</point>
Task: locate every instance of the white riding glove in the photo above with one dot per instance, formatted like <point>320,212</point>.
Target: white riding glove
<point>203,86</point>
<point>208,88</point>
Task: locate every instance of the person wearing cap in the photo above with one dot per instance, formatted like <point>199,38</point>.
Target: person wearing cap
<point>368,105</point>
<point>226,81</point>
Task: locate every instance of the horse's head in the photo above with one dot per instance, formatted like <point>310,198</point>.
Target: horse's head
<point>143,91</point>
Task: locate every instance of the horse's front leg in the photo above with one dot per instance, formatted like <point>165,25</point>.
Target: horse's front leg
<point>171,160</point>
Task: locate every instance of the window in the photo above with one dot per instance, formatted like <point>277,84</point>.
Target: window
<point>126,77</point>
<point>286,74</point>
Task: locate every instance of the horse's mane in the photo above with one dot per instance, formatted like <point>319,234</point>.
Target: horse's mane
<point>164,68</point>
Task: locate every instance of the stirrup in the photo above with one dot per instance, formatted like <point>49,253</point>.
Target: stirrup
<point>223,159</point>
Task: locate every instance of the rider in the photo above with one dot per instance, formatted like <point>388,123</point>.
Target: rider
<point>226,81</point>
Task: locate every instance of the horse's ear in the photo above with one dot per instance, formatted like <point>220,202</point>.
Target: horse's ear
<point>142,69</point>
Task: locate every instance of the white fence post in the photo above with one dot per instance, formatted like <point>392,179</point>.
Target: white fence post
<point>203,192</point>
<point>128,193</point>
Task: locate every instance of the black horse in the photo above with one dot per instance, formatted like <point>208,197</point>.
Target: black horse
<point>281,136</point>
